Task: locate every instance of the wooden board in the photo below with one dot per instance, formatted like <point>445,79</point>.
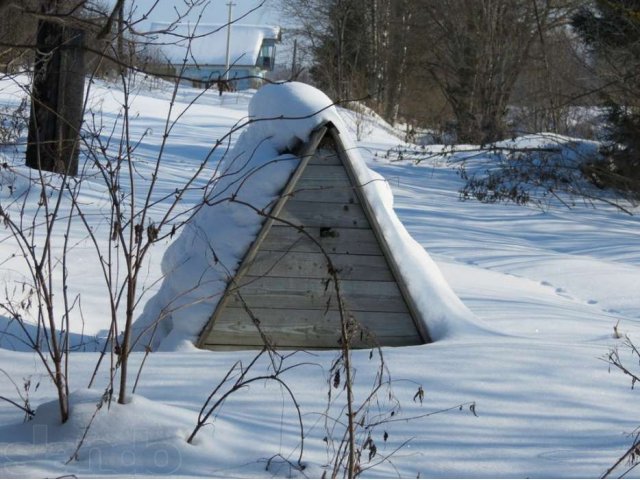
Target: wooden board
<point>294,344</point>
<point>372,268</point>
<point>357,241</point>
<point>309,328</point>
<point>326,155</point>
<point>326,192</point>
<point>325,215</point>
<point>317,294</point>
<point>285,282</point>
<point>326,173</point>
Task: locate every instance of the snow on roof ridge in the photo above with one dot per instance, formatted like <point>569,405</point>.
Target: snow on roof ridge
<point>217,26</point>
<point>206,43</point>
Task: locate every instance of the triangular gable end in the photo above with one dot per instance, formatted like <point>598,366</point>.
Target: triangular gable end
<point>283,289</point>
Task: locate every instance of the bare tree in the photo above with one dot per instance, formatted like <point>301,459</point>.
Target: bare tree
<point>131,233</point>
<point>358,48</point>
<point>475,50</point>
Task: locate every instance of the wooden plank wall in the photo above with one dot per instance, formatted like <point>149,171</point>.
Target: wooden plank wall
<point>287,287</point>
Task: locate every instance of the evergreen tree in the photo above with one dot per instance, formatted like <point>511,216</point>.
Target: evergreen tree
<point>611,29</point>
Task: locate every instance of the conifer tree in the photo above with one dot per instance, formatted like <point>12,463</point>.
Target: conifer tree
<point>611,29</point>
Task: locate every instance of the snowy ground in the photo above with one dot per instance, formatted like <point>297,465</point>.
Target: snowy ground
<point>550,286</point>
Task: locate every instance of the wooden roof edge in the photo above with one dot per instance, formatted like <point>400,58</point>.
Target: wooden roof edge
<point>382,241</point>
<point>305,152</point>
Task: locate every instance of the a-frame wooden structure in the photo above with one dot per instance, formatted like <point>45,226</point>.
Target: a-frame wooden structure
<point>284,289</point>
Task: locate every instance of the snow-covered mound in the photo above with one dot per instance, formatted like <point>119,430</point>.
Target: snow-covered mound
<point>149,440</point>
<point>198,265</point>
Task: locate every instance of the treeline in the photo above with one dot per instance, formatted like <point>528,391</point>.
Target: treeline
<point>480,69</point>
<point>108,43</point>
<point>470,70</point>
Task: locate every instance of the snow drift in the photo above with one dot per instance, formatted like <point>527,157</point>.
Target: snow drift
<point>198,265</point>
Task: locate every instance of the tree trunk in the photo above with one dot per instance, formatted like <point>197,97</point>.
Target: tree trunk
<point>121,53</point>
<point>398,60</point>
<point>57,98</point>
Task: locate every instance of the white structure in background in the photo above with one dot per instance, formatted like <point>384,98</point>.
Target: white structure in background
<point>198,53</point>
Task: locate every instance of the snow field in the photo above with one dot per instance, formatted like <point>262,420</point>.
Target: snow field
<point>549,286</point>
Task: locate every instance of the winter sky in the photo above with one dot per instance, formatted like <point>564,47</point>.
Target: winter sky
<point>214,11</point>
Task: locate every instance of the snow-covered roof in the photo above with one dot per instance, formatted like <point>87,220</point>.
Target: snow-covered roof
<point>206,44</point>
<point>255,173</point>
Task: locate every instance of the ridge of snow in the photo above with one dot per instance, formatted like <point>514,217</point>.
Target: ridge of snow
<point>199,264</point>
